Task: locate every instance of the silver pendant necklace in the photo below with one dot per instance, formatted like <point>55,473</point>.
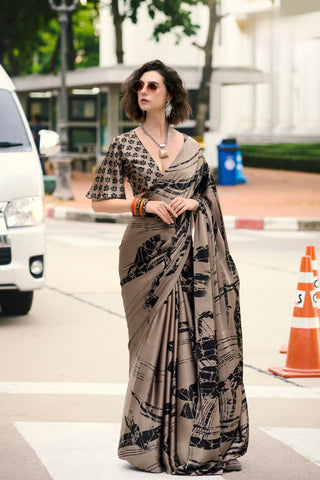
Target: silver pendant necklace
<point>163,152</point>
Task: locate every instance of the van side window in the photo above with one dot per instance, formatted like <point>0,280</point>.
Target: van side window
<point>13,135</point>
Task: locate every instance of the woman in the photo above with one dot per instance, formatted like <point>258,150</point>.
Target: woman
<point>185,409</point>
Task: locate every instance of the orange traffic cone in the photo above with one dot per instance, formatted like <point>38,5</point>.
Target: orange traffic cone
<point>303,359</point>
<point>311,250</point>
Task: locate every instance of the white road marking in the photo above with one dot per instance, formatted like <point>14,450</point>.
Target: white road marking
<point>64,388</point>
<point>261,391</point>
<point>83,241</point>
<point>81,451</point>
<point>85,238</point>
<point>305,441</point>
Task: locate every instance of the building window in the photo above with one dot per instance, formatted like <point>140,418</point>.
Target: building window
<point>83,108</point>
<point>39,106</point>
<point>82,139</point>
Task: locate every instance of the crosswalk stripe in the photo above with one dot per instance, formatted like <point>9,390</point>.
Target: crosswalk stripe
<point>76,388</point>
<point>81,451</point>
<point>305,441</point>
<point>88,450</point>
<point>262,391</point>
<point>63,388</point>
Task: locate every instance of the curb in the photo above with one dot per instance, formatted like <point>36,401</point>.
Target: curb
<point>273,223</point>
<point>231,222</point>
<point>84,215</point>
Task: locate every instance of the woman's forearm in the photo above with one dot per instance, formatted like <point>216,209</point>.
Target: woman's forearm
<point>112,205</point>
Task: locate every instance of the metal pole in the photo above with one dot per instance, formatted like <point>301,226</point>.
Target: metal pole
<point>63,160</point>
<point>63,22</point>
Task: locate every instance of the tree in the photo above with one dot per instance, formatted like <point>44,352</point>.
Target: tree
<point>177,18</point>
<point>19,39</point>
<point>204,90</point>
<point>82,37</point>
<point>118,19</point>
<point>30,37</point>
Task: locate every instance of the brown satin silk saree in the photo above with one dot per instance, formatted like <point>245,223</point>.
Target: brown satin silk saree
<point>185,410</point>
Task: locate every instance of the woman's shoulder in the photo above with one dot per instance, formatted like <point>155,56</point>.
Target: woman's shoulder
<point>125,137</point>
<point>121,141</point>
<point>191,140</point>
<point>186,138</point>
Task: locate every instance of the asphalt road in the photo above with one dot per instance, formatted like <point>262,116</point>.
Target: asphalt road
<point>63,367</point>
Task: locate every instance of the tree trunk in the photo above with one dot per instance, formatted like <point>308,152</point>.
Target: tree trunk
<point>117,21</point>
<point>204,90</point>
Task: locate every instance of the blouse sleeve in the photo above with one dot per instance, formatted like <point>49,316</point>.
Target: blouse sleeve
<point>109,179</point>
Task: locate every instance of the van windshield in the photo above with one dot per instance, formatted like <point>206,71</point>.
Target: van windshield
<point>13,135</point>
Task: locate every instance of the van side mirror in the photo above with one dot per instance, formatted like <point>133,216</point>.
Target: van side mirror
<point>49,142</point>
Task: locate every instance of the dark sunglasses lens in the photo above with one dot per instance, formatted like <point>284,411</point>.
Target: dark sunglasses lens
<point>153,86</point>
<point>137,86</point>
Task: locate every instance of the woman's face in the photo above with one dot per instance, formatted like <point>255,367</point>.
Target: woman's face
<point>152,92</point>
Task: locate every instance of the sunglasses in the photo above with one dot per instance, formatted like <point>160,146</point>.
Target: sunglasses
<point>138,85</point>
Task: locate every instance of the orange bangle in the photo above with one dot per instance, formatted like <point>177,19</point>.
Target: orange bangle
<point>136,211</point>
<point>141,207</point>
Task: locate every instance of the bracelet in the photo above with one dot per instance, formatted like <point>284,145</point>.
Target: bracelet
<point>144,207</point>
<point>135,207</point>
<point>132,206</point>
<point>140,203</point>
<point>138,206</point>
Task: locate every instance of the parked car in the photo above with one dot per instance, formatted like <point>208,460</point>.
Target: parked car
<point>22,229</point>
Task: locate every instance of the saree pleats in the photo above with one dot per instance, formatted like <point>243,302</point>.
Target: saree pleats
<point>185,410</point>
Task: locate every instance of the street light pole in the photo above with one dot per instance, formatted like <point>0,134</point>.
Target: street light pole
<point>63,178</point>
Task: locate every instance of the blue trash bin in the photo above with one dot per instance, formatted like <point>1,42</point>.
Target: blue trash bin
<point>227,151</point>
<point>239,168</point>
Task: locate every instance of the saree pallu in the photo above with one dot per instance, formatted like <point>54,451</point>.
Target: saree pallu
<point>185,410</point>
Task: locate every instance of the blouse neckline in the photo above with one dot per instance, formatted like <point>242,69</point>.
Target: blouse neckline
<point>185,138</point>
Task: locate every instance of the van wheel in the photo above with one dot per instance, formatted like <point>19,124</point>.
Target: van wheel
<point>14,302</point>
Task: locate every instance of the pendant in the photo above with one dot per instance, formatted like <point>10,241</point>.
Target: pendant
<point>163,153</point>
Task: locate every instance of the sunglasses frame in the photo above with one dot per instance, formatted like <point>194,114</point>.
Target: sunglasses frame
<point>139,85</point>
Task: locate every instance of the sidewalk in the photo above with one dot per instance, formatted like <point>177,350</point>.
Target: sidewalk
<point>272,199</point>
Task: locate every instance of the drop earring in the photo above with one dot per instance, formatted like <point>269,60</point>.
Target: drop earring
<point>168,109</point>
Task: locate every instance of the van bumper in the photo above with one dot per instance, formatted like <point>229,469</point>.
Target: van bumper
<point>25,244</point>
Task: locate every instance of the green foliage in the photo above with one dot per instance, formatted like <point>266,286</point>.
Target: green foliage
<point>20,23</point>
<point>86,36</point>
<point>299,157</point>
<point>47,43</point>
<point>176,15</point>
<point>29,36</point>
<point>85,40</point>
<point>29,31</point>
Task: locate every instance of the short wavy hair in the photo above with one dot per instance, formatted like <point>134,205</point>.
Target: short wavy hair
<point>181,109</point>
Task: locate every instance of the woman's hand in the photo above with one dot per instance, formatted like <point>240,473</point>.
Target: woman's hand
<point>162,210</point>
<point>181,205</point>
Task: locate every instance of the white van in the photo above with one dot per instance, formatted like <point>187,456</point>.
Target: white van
<point>22,229</point>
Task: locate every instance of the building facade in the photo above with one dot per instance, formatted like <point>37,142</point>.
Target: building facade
<point>266,82</point>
